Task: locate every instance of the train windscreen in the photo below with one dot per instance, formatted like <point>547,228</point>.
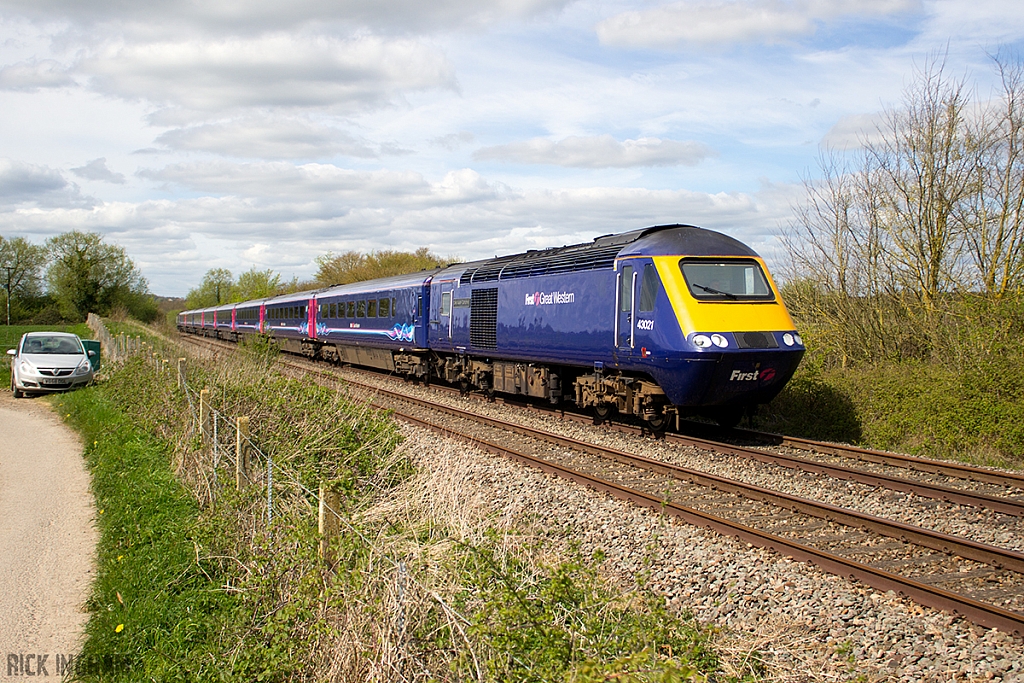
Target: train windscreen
<point>726,280</point>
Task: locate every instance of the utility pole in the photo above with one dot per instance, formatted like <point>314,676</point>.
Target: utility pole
<point>8,269</point>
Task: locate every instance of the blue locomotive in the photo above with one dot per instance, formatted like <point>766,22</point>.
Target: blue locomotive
<point>657,323</point>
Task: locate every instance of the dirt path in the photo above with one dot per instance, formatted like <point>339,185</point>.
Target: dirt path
<point>47,540</point>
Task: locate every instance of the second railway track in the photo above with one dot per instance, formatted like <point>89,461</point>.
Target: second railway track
<point>981,582</point>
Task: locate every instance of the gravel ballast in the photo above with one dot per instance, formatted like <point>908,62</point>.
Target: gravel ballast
<point>806,625</point>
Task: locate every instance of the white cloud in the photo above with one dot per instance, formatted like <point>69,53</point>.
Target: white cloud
<point>737,21</point>
<point>33,185</point>
<point>261,15</point>
<point>282,217</point>
<point>97,170</point>
<point>599,151</point>
<point>854,131</point>
<point>32,75</point>
<point>265,137</point>
<point>453,141</point>
<point>284,70</point>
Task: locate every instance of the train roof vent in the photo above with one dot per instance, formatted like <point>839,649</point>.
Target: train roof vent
<point>467,277</point>
<point>569,260</point>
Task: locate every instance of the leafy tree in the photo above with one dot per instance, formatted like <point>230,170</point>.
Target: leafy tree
<point>87,275</point>
<point>256,284</point>
<point>215,289</point>
<point>353,266</point>
<point>21,268</point>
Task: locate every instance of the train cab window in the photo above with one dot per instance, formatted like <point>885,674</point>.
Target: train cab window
<point>384,308</point>
<point>648,288</point>
<point>446,303</point>
<point>350,309</point>
<point>626,290</point>
<point>360,309</point>
<point>726,280</point>
<point>371,308</point>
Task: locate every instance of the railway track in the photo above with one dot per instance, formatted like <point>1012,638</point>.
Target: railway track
<point>981,582</point>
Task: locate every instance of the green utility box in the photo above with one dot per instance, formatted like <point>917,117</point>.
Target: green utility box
<point>94,358</point>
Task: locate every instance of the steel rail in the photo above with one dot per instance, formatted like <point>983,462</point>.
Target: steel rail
<point>991,555</point>
<point>985,614</point>
<point>951,469</point>
<point>949,494</point>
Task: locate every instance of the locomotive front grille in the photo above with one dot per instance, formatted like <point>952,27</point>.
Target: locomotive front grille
<point>756,340</point>
<point>483,318</point>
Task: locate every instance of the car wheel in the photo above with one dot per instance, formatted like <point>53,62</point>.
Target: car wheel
<point>18,393</point>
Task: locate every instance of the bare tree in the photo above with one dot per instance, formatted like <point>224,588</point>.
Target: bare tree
<point>995,215</point>
<point>919,173</point>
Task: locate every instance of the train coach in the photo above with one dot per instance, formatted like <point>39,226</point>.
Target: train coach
<point>657,323</point>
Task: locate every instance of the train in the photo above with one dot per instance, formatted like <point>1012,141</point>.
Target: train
<point>657,324</point>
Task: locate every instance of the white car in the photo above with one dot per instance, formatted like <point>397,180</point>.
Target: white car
<point>49,361</point>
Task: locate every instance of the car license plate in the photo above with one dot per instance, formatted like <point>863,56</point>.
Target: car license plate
<point>53,381</point>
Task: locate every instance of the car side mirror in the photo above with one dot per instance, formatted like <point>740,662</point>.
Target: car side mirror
<point>12,352</point>
<point>92,353</point>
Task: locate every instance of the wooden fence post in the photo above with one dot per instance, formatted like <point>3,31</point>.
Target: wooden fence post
<point>204,414</point>
<point>242,452</point>
<point>181,374</point>
<point>330,502</point>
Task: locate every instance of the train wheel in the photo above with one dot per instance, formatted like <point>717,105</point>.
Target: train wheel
<point>657,424</point>
<point>603,412</point>
<point>464,387</point>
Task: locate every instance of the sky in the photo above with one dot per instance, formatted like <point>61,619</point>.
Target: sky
<point>229,134</point>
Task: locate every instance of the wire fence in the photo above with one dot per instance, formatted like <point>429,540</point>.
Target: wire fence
<point>255,467</point>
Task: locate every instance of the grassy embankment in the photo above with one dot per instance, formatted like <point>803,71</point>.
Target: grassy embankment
<point>194,584</point>
<point>949,385</point>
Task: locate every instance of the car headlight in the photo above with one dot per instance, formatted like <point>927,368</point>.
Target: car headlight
<point>83,367</point>
<point>719,341</point>
<point>25,366</point>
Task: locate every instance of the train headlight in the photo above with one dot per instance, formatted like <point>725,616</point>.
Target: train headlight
<point>701,341</point>
<point>798,339</point>
<point>788,339</point>
<point>719,341</point>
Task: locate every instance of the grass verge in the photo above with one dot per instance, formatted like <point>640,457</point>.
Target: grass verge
<point>194,584</point>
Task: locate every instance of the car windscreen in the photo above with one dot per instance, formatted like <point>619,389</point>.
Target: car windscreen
<point>726,280</point>
<point>52,345</point>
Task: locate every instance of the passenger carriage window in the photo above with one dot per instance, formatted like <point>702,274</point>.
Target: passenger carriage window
<point>626,290</point>
<point>385,308</point>
<point>648,289</point>
<point>334,310</point>
<point>371,308</point>
<point>393,309</point>
<point>350,308</point>
<point>360,309</point>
